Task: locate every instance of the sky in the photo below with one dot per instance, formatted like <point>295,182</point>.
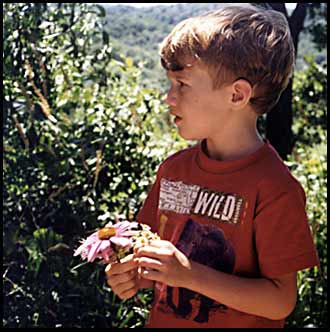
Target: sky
<point>142,4</point>
<point>288,4</point>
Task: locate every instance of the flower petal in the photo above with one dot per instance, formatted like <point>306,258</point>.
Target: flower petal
<point>106,252</point>
<point>128,233</point>
<point>120,241</point>
<point>93,251</point>
<point>79,250</point>
<point>123,225</point>
<point>105,244</point>
<point>92,238</point>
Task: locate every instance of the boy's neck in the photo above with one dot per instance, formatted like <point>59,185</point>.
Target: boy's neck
<point>235,147</point>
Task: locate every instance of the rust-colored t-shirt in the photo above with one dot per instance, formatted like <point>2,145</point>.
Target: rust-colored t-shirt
<point>246,217</point>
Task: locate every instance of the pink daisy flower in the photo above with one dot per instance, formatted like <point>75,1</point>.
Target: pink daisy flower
<point>107,241</point>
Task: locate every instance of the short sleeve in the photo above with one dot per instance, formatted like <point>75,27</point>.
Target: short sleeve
<point>148,212</point>
<point>283,238</point>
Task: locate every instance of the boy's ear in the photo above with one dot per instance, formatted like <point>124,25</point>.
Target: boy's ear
<point>241,93</point>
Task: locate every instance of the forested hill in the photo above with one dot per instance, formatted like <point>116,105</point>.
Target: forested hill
<point>148,26</point>
<point>137,32</point>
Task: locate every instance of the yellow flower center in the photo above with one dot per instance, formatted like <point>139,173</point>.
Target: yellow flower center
<point>106,233</point>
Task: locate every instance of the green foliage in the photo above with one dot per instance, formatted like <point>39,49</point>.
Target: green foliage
<point>309,164</point>
<point>319,24</point>
<point>310,103</point>
<point>80,141</point>
<point>83,136</point>
<point>310,168</point>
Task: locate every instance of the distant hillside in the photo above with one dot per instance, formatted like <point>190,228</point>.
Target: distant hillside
<point>137,32</point>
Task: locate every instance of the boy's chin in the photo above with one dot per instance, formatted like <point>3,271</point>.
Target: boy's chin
<point>189,136</point>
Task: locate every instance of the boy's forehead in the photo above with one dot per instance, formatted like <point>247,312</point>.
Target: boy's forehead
<point>185,73</point>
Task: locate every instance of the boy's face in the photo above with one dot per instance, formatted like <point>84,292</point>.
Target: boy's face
<point>200,111</point>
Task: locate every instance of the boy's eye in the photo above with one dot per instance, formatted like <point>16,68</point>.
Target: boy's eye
<point>181,84</point>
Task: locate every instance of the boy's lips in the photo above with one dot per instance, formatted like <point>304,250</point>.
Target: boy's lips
<point>177,118</point>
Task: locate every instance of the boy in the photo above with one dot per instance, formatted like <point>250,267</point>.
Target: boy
<point>231,216</point>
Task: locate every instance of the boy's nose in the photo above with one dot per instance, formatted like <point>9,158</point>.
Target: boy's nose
<point>170,98</point>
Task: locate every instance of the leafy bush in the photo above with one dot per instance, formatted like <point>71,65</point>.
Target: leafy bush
<point>310,103</point>
<point>309,164</point>
<point>80,143</point>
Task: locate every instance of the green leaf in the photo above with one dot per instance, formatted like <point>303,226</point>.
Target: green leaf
<point>102,10</point>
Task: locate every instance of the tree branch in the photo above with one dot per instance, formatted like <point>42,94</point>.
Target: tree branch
<point>297,19</point>
<point>280,7</point>
<point>296,23</point>
<point>43,101</point>
<point>98,166</point>
<point>21,133</point>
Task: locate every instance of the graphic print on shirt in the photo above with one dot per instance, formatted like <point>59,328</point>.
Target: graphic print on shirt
<point>183,198</point>
<point>207,245</point>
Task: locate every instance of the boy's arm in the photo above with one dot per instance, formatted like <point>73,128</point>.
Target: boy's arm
<point>271,298</point>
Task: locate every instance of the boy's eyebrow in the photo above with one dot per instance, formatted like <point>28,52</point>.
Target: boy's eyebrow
<point>182,76</point>
<point>177,75</point>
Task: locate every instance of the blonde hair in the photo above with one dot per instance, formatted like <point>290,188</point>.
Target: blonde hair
<point>236,42</point>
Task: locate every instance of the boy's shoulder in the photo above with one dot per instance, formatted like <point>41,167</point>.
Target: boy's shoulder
<point>275,177</point>
<point>182,156</point>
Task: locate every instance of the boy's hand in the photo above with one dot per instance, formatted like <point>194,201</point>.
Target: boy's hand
<point>162,261</point>
<point>123,277</point>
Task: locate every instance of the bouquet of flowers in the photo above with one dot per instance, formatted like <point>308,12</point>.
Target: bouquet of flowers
<point>115,241</point>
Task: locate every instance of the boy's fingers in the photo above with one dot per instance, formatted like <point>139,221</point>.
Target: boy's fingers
<point>117,279</point>
<point>152,275</point>
<point>123,287</point>
<point>119,268</point>
<point>128,293</point>
<point>127,258</point>
<point>150,263</point>
<point>159,243</point>
<point>153,252</point>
